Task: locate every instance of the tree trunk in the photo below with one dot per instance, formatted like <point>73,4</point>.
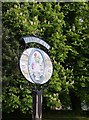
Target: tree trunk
<point>75,101</point>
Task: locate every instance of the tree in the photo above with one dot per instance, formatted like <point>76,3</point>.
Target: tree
<point>76,31</point>
<point>65,29</point>
<point>42,20</point>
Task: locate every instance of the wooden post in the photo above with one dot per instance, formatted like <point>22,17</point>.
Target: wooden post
<point>37,104</point>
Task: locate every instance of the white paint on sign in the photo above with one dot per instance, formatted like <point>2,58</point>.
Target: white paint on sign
<point>36,65</point>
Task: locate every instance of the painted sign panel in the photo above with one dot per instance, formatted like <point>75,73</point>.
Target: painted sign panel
<point>36,65</point>
<point>37,40</point>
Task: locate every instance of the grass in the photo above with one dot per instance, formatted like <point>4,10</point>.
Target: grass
<point>65,115</point>
<point>49,115</point>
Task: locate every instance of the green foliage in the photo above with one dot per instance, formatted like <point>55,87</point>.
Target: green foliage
<point>64,26</point>
<point>76,31</point>
<point>53,100</point>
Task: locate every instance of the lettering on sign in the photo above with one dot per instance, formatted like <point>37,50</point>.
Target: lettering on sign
<point>36,40</point>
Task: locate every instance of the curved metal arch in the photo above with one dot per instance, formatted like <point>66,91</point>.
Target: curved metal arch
<point>36,40</point>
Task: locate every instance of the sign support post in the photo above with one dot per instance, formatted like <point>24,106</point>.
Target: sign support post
<point>37,105</point>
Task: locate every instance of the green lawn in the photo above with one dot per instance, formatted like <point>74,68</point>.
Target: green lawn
<point>49,115</point>
<point>65,115</point>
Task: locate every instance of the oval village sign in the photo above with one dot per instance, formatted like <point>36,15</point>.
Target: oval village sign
<point>35,64</point>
